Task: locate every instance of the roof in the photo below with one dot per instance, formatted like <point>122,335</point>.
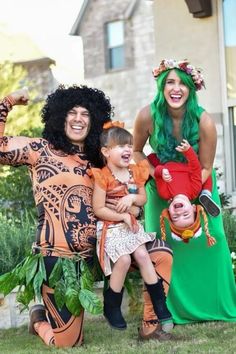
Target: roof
<point>75,30</point>
<point>18,47</point>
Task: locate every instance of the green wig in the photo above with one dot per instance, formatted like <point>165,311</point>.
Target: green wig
<point>163,125</point>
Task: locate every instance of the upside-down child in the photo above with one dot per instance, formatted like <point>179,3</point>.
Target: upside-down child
<point>179,183</point>
<point>120,236</point>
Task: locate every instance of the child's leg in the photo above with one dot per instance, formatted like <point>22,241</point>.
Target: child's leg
<point>113,295</point>
<point>206,200</point>
<point>119,272</point>
<point>146,267</point>
<point>153,284</point>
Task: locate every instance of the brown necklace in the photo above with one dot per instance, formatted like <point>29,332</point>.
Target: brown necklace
<point>118,180</point>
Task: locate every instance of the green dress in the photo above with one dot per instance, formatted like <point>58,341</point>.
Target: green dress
<point>202,284</point>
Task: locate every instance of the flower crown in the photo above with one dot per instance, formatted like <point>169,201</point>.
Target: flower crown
<point>184,65</point>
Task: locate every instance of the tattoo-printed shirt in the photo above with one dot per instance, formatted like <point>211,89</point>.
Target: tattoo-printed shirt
<point>62,190</point>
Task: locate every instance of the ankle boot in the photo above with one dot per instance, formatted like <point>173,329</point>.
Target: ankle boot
<point>112,310</point>
<point>157,295</point>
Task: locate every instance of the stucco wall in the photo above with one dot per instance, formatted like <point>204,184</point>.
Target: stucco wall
<point>179,35</point>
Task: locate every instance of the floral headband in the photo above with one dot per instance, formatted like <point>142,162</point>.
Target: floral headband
<point>112,124</point>
<point>184,65</point>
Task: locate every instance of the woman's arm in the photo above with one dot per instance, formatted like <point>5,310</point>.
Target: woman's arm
<point>207,144</point>
<point>142,130</point>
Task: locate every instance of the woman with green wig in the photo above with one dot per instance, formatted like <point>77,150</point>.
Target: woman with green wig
<point>202,284</point>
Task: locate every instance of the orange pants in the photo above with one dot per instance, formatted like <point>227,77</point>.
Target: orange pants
<point>162,259</point>
<point>62,329</point>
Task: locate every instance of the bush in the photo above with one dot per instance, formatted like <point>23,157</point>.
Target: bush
<point>229,221</point>
<point>16,237</point>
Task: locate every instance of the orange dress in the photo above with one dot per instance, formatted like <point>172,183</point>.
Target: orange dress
<point>119,239</point>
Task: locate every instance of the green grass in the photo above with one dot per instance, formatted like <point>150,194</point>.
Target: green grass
<point>212,337</point>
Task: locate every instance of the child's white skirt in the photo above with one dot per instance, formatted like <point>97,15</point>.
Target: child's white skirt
<point>120,240</point>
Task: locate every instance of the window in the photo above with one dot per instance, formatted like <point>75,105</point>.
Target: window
<point>115,45</point>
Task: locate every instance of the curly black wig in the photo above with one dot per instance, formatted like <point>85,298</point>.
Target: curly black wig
<point>55,110</point>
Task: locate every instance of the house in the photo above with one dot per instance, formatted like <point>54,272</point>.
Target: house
<point>119,52</point>
<point>123,40</point>
<point>21,50</point>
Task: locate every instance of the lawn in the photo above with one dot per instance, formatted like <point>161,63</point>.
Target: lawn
<point>212,337</point>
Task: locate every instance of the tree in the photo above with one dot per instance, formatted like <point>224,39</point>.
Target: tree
<point>15,187</point>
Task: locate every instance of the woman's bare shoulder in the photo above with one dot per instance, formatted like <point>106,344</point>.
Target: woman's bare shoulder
<point>144,116</point>
<point>206,122</point>
<point>145,112</point>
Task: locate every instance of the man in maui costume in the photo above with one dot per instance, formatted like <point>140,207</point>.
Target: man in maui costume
<point>58,164</point>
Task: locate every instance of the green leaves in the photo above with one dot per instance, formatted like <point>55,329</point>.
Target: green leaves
<point>28,276</point>
<point>71,280</point>
<point>86,278</point>
<point>56,273</point>
<point>90,301</point>
<point>74,289</point>
<point>7,283</point>
<point>73,301</point>
<point>60,293</point>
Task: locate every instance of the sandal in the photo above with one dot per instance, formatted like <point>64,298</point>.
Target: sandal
<point>37,313</point>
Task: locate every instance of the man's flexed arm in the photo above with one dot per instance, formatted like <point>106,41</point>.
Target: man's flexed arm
<point>13,150</point>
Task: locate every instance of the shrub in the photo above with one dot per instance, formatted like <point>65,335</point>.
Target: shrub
<point>229,221</point>
<point>233,257</point>
<point>16,237</point>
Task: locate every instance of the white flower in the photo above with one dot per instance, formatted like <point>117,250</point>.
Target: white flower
<point>233,255</point>
<point>171,64</point>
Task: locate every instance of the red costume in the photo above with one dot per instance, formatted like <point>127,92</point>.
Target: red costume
<point>187,180</point>
<point>186,177</point>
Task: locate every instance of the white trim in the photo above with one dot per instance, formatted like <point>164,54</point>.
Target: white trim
<point>227,138</point>
<point>75,30</point>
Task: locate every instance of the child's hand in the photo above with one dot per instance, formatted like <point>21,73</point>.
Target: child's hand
<point>125,203</point>
<point>166,176</point>
<point>128,220</point>
<point>183,146</point>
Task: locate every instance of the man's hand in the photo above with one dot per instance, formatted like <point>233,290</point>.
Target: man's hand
<point>19,97</point>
